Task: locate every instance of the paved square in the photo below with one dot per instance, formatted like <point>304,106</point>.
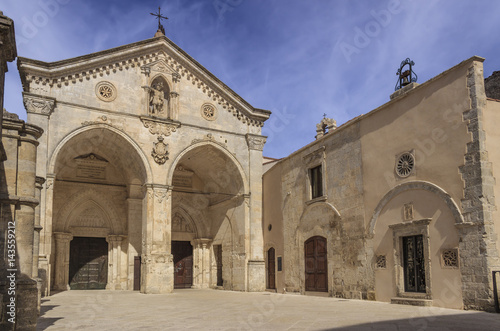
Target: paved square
<point>225,310</point>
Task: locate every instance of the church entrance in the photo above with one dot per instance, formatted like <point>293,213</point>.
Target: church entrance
<point>413,259</point>
<point>316,264</point>
<point>183,264</point>
<point>271,277</point>
<point>88,263</point>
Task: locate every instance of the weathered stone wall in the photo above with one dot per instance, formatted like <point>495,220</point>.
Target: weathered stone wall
<point>18,199</point>
<point>478,204</point>
<point>492,85</point>
<point>340,153</point>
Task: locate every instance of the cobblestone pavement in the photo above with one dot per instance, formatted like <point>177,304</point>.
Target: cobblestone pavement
<point>225,310</point>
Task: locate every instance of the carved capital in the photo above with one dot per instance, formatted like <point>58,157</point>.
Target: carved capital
<point>255,142</point>
<point>37,104</point>
<point>114,239</point>
<point>159,127</point>
<point>63,237</point>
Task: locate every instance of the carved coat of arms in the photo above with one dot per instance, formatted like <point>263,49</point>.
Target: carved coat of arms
<point>160,151</point>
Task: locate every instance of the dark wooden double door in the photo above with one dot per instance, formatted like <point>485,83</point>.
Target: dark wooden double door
<point>88,263</point>
<point>316,264</point>
<point>183,264</point>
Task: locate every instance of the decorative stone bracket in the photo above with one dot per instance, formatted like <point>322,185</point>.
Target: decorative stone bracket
<point>37,104</point>
<point>256,142</point>
<point>160,127</point>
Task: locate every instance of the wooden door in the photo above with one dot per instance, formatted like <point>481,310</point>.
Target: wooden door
<point>271,269</point>
<point>88,263</point>
<point>137,273</point>
<point>218,261</point>
<point>183,264</point>
<point>316,264</point>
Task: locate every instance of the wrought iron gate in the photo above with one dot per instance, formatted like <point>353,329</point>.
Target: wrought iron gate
<point>413,260</point>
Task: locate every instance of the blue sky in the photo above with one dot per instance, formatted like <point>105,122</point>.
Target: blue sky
<point>297,58</point>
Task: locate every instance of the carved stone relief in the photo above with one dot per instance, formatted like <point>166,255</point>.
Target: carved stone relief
<point>106,91</point>
<point>160,151</point>
<point>162,128</point>
<point>36,104</point>
<point>179,224</point>
<point>256,142</point>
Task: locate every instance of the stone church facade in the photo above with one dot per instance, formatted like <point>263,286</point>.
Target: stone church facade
<point>397,205</point>
<point>152,171</point>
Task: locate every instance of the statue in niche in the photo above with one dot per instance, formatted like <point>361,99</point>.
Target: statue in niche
<point>158,97</point>
<point>156,101</point>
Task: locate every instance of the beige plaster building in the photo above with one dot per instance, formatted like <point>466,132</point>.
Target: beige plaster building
<point>153,172</point>
<point>397,205</point>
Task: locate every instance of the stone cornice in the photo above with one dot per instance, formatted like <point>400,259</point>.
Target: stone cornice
<point>138,55</point>
<point>37,104</point>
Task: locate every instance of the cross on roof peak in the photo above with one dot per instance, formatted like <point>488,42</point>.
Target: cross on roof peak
<point>159,17</point>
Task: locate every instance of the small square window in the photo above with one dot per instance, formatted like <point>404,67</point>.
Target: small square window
<point>316,177</point>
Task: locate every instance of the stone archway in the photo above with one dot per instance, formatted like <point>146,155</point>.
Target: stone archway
<point>96,194</point>
<point>209,185</point>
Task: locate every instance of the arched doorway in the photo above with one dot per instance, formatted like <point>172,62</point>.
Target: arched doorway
<point>271,269</point>
<point>316,264</point>
<point>95,199</point>
<point>208,185</point>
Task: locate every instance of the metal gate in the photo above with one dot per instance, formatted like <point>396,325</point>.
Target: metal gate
<point>413,261</point>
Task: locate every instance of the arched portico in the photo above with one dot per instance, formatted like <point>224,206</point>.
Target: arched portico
<point>209,184</point>
<point>95,190</point>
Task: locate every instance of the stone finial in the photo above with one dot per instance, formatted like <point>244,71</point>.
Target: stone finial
<point>325,126</point>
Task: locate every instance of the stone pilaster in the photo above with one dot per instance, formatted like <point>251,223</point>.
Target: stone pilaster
<point>47,197</point>
<point>478,252</point>
<point>36,238</point>
<point>256,265</point>
<point>114,261</point>
<point>157,275</point>
<point>61,281</point>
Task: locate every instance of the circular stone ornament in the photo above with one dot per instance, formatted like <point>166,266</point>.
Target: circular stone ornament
<point>105,91</point>
<point>209,112</point>
<point>405,164</point>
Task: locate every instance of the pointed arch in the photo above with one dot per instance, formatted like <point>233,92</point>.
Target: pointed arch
<point>75,203</point>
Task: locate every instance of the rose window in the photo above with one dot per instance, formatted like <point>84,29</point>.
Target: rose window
<point>105,91</point>
<point>405,165</point>
<point>208,112</point>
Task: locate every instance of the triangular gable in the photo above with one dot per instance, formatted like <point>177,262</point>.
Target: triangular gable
<point>156,54</point>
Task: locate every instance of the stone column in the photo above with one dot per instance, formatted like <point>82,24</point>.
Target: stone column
<point>256,278</point>
<point>157,275</point>
<point>114,262</point>
<point>201,263</point>
<point>61,281</point>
